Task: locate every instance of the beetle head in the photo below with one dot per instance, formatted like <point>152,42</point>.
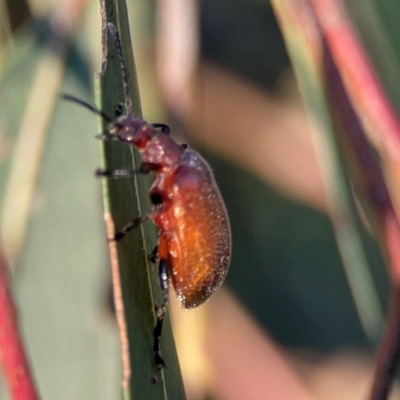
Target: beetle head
<point>132,130</point>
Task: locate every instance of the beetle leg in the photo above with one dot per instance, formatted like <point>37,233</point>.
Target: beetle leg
<point>153,255</point>
<point>120,173</point>
<point>133,224</point>
<point>158,360</point>
<point>160,312</point>
<point>106,137</point>
<point>163,127</point>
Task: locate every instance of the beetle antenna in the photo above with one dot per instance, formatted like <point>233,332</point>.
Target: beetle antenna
<point>125,81</point>
<point>87,105</point>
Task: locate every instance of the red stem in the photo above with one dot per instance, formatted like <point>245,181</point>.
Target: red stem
<point>13,358</point>
<point>352,85</point>
<point>370,180</point>
<point>359,76</point>
<point>388,355</point>
<point>369,175</point>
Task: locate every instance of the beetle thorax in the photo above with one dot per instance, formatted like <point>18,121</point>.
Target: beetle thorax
<point>161,153</point>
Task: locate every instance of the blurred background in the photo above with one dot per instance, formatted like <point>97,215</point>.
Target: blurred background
<point>287,324</point>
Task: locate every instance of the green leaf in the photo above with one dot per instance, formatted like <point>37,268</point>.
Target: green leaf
<point>126,199</point>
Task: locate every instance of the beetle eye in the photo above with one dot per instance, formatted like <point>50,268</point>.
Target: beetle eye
<point>128,133</point>
<point>156,199</point>
<point>131,129</point>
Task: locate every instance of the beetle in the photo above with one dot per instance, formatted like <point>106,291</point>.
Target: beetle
<point>194,244</point>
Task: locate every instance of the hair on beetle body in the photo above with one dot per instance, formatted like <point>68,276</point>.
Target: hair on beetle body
<point>194,245</point>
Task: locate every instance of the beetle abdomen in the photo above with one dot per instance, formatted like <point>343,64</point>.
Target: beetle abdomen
<point>198,239</point>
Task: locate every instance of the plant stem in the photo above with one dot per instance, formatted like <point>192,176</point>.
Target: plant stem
<point>14,361</point>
